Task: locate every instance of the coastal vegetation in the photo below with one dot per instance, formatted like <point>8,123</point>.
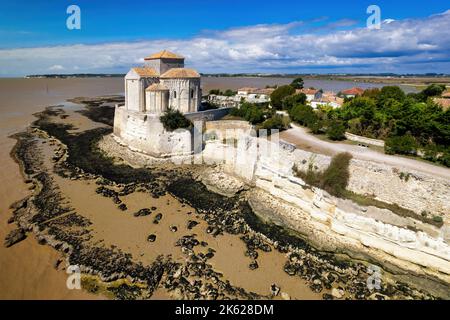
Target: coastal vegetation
<point>279,94</point>
<point>410,124</point>
<point>227,93</point>
<point>261,116</point>
<point>174,119</point>
<point>333,179</point>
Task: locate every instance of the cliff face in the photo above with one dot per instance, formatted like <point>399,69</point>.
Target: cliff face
<point>405,246</point>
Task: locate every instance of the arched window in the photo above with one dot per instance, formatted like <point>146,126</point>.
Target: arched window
<point>175,94</point>
<point>192,93</point>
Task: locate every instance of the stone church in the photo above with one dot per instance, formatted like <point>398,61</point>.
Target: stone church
<point>163,82</point>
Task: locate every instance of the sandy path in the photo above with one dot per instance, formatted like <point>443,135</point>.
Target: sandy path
<point>27,268</point>
<point>299,136</point>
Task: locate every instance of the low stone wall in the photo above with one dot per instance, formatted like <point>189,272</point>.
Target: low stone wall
<point>145,133</point>
<point>227,129</point>
<point>208,115</point>
<point>356,138</point>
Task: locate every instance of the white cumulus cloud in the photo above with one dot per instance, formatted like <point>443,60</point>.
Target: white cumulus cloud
<point>407,46</point>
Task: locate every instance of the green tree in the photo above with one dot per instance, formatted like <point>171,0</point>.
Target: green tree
<point>215,91</point>
<point>336,130</point>
<point>405,144</point>
<point>293,100</point>
<point>335,177</point>
<point>391,92</point>
<point>174,119</point>
<point>229,93</point>
<point>279,94</point>
<point>297,83</point>
<point>302,114</point>
<point>434,90</point>
<point>276,122</point>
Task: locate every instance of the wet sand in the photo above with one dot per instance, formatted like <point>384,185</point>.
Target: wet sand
<point>27,268</point>
<point>121,229</point>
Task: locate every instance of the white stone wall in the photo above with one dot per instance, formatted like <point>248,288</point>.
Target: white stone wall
<point>365,140</point>
<point>156,101</point>
<point>163,65</point>
<point>185,94</point>
<point>135,92</point>
<point>144,133</point>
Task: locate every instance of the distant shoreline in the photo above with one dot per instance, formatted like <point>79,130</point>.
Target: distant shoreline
<point>412,80</point>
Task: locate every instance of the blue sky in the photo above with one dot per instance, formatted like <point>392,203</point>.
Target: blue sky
<point>225,36</point>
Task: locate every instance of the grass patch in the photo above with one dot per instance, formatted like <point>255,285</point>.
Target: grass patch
<point>334,179</point>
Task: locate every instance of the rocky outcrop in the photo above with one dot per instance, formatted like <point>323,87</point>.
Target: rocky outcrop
<point>14,237</point>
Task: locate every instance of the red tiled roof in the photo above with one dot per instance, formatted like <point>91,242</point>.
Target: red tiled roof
<point>180,73</point>
<point>353,91</point>
<point>445,103</point>
<point>164,55</point>
<point>145,72</point>
<point>307,91</point>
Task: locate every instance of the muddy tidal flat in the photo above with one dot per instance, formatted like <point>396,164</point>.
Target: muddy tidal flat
<point>159,232</point>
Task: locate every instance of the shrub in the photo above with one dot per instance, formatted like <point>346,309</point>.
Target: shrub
<point>335,177</point>
<point>276,122</point>
<point>174,119</point>
<point>438,219</point>
<point>401,144</point>
<point>290,101</point>
<point>336,130</point>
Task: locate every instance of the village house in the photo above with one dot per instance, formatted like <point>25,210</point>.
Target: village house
<point>311,93</point>
<point>444,100</point>
<point>327,99</point>
<point>252,95</point>
<point>353,92</point>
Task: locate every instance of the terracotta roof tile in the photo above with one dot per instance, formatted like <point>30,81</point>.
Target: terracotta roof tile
<point>307,91</point>
<point>145,72</point>
<point>353,91</point>
<point>164,55</point>
<point>157,87</point>
<point>180,73</point>
<point>445,103</point>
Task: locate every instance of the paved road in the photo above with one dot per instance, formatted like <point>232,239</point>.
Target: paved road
<point>301,137</point>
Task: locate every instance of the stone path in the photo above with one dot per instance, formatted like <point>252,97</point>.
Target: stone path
<point>300,136</point>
